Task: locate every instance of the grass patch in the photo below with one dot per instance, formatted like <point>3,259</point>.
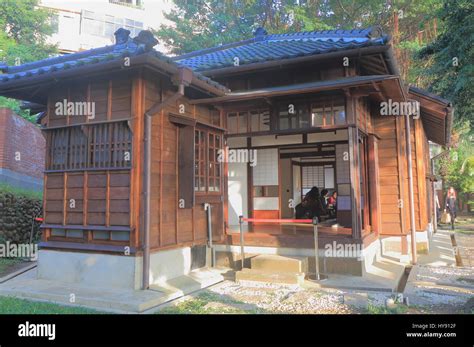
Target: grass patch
<point>201,304</point>
<point>464,231</point>
<point>10,305</point>
<point>399,309</point>
<point>469,306</point>
<point>465,279</point>
<point>32,194</point>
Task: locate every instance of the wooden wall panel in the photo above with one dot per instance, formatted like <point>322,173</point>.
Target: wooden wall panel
<point>385,128</point>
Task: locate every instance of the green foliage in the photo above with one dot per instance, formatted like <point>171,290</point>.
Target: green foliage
<point>201,24</point>
<point>23,39</point>
<point>210,303</point>
<point>10,305</point>
<point>398,309</point>
<point>458,167</point>
<point>31,194</point>
<point>446,68</point>
<point>18,208</point>
<point>24,21</point>
<point>15,106</point>
<point>450,69</point>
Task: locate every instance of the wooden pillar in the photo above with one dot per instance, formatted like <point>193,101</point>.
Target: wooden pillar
<point>353,141</point>
<point>374,186</point>
<point>136,172</point>
<point>420,174</point>
<point>355,182</point>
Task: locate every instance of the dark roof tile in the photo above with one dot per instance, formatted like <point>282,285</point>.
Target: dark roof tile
<point>131,47</point>
<point>281,46</point>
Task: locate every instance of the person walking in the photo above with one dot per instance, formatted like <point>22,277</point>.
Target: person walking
<point>450,204</point>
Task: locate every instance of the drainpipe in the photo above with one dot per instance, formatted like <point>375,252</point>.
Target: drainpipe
<point>410,187</point>
<point>155,109</point>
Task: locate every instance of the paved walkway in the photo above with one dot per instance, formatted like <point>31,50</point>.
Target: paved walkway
<point>436,281</point>
<point>28,286</point>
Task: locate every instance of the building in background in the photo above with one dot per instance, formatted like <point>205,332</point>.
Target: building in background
<point>85,24</point>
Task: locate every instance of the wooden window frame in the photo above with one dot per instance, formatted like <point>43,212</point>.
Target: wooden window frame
<point>203,149</point>
<point>199,160</point>
<point>117,138</point>
<point>247,114</point>
<point>326,102</point>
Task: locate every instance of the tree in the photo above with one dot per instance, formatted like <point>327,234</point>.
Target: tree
<point>449,69</point>
<point>201,24</point>
<point>205,23</point>
<point>24,21</point>
<point>23,39</point>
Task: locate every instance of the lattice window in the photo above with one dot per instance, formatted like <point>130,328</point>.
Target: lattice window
<point>313,176</point>
<point>208,168</point>
<point>200,161</point>
<point>91,147</point>
<point>215,166</point>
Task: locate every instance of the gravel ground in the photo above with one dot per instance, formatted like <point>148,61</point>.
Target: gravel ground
<point>272,298</point>
<point>446,275</point>
<point>435,290</point>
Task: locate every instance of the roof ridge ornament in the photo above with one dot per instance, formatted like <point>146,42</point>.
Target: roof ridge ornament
<point>260,33</point>
<point>121,36</point>
<point>375,32</point>
<point>146,40</point>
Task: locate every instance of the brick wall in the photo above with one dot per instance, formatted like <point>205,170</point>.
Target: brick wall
<point>18,136</point>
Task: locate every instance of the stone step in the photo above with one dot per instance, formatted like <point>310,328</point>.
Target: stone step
<point>255,275</point>
<point>278,263</point>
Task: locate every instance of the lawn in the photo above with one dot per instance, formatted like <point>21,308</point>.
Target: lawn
<point>10,305</point>
<point>209,303</point>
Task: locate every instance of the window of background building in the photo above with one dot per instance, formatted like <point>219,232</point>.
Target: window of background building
<point>105,25</point>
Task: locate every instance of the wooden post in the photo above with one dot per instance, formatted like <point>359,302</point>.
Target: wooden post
<point>421,174</point>
<point>374,187</point>
<point>353,140</point>
<point>136,157</point>
<point>355,182</point>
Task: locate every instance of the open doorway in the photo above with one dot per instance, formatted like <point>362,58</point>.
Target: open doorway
<point>301,169</point>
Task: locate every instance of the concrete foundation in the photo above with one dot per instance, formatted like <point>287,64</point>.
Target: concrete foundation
<point>393,244</point>
<point>116,271</point>
<point>113,282</point>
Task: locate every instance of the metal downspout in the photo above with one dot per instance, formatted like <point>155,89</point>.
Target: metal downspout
<point>410,187</point>
<point>146,240</point>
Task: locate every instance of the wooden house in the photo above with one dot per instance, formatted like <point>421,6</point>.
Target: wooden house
<point>136,141</point>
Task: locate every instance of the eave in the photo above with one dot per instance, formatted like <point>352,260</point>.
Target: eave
<point>391,87</point>
<point>436,114</point>
<point>28,89</point>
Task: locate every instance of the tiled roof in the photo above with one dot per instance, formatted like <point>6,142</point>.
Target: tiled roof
<point>265,47</point>
<point>125,47</point>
